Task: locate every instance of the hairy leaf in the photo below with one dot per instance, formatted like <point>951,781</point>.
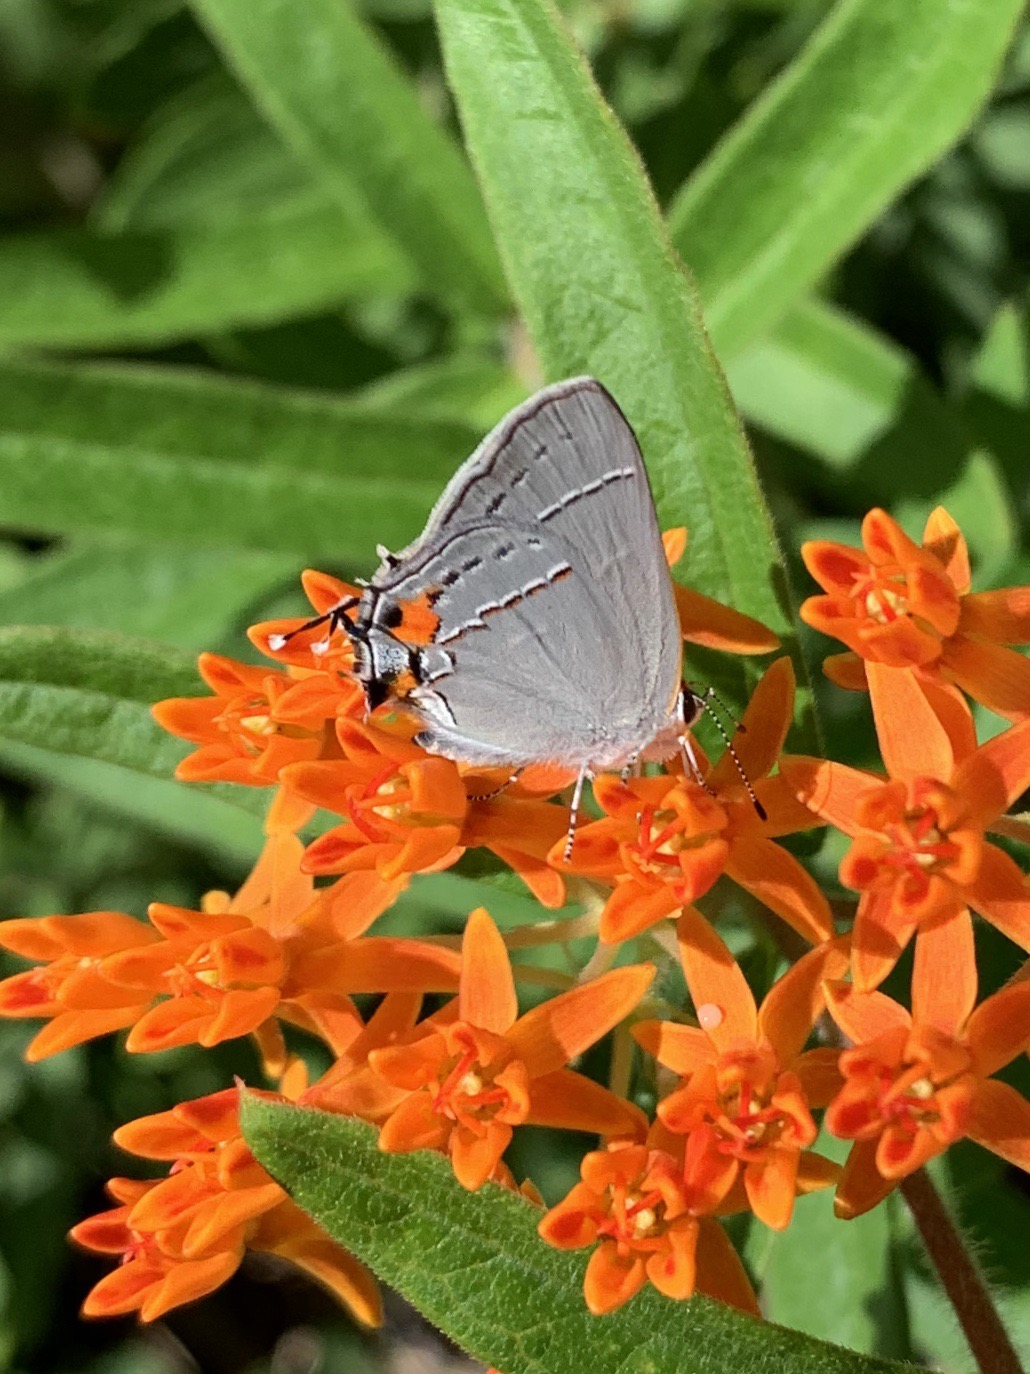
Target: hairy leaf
<point>475,1266</point>
<point>877,94</point>
<point>335,95</point>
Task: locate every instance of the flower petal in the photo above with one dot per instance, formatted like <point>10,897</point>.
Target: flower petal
<point>769,1184</point>
<point>847,671</point>
<point>610,1279</point>
<point>999,769</point>
<point>913,742</point>
<point>554,1032</point>
<point>716,983</point>
<point>673,1271</point>
<point>680,1048</point>
<point>999,1029</point>
<point>378,963</point>
<point>996,677</point>
<point>864,1016</point>
<point>715,626</point>
<point>764,727</point>
<point>720,1272</point>
<point>795,1001</point>
<point>486,992</point>
<point>943,538</point>
<point>778,880</point>
<point>818,1074</point>
<point>76,1027</point>
<point>862,1185</point>
<point>944,975</point>
<point>1002,615</point>
<point>287,1232</point>
<point>570,1101</point>
<point>831,790</point>
<point>879,936</point>
<point>1001,895</point>
<point>1001,1120</point>
<point>189,1280</point>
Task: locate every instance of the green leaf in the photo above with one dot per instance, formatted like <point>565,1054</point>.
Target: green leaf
<point>86,289</point>
<point>184,597</point>
<point>205,157</point>
<point>599,285</point>
<point>475,1266</point>
<point>196,459</point>
<point>833,386</point>
<point>88,693</point>
<point>333,92</point>
<point>978,499</point>
<point>186,812</point>
<point>876,95</point>
<point>860,1302</point>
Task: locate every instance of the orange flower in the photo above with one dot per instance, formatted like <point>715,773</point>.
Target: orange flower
<point>70,989</point>
<point>906,606</point>
<point>920,854</point>
<point>278,949</point>
<point>650,1222</point>
<point>257,722</point>
<point>915,1083</point>
<point>180,1237</point>
<point>408,811</point>
<point>465,1078</point>
<point>709,623</point>
<point>314,648</point>
<point>665,840</point>
<point>404,808</point>
<point>748,1088</point>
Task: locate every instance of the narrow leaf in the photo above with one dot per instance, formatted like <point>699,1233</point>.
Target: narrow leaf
<point>874,98</point>
<point>195,459</point>
<point>475,1266</point>
<point>88,693</point>
<point>81,288</point>
<point>353,118</point>
<point>833,386</point>
<point>598,282</point>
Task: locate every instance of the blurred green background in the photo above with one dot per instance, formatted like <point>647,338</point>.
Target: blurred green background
<point>211,375</point>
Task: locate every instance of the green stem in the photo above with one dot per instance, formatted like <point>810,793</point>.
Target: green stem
<point>961,1279</point>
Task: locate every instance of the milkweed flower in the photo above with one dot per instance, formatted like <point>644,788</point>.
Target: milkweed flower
<point>906,605</point>
<point>464,1079</point>
<point>276,950</point>
<point>748,1086</point>
<point>258,721</point>
<point>289,643</point>
<point>650,1220</point>
<point>664,841</point>
<point>69,988</point>
<point>180,1237</point>
<point>920,853</point>
<point>916,1082</point>
<point>407,811</point>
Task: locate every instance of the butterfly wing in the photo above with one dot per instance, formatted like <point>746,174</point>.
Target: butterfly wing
<point>595,649</point>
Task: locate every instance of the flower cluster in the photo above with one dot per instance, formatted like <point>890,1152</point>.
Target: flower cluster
<point>740,1082</point>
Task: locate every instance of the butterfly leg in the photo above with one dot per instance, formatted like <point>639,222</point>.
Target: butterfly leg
<point>496,792</point>
<point>631,769</point>
<point>691,765</point>
<point>577,796</point>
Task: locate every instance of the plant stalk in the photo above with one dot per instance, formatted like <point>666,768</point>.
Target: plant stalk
<point>967,1291</point>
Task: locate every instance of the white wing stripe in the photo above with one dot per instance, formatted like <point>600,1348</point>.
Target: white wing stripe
<point>588,489</point>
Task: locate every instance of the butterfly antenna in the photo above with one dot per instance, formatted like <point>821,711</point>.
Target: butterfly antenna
<point>335,616</point>
<point>714,718</point>
<point>710,694</point>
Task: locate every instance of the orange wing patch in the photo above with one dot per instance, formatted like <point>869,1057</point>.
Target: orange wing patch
<point>419,622</point>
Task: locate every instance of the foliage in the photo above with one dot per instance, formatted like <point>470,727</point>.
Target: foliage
<point>267,273</point>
